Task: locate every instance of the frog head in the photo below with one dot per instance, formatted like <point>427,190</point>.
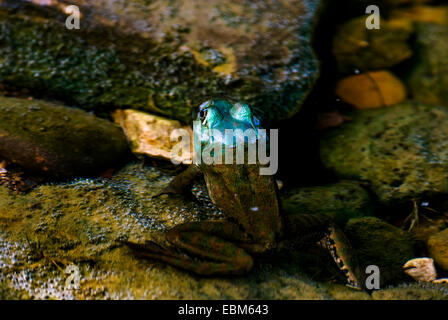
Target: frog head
<point>217,116</point>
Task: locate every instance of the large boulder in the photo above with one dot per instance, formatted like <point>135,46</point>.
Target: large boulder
<point>163,57</point>
<point>400,150</point>
<point>57,140</point>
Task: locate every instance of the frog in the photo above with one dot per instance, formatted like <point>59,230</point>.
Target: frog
<point>254,225</point>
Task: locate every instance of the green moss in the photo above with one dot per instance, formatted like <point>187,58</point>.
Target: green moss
<point>342,201</point>
<point>379,243</point>
<point>401,150</point>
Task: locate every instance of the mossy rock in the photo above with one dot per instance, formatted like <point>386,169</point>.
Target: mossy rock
<point>342,201</point>
<point>401,150</point>
<point>57,140</point>
<point>428,78</point>
<point>81,223</point>
<point>378,243</point>
<point>357,48</point>
<point>160,57</point>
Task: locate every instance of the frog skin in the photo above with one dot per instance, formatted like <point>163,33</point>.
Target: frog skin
<point>254,225</point>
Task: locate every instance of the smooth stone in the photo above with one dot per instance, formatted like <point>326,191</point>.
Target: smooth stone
<point>378,243</point>
<point>428,77</point>
<point>438,248</point>
<point>160,57</point>
<point>342,201</point>
<point>356,48</point>
<point>371,90</point>
<point>56,140</point>
<point>402,151</point>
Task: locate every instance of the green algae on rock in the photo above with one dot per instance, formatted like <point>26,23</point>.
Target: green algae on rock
<point>82,223</point>
<point>381,244</point>
<point>342,201</point>
<point>428,78</point>
<point>357,48</point>
<point>402,151</point>
<point>56,140</point>
<point>438,248</point>
<point>256,52</point>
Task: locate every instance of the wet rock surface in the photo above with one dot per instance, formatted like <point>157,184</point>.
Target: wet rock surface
<point>159,57</point>
<point>59,141</point>
<point>342,201</point>
<point>401,150</point>
<point>81,223</point>
<point>381,244</point>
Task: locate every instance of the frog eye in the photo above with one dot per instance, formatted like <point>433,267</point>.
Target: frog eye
<point>203,116</point>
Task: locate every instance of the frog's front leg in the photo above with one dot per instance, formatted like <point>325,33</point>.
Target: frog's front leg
<point>320,227</point>
<point>205,248</point>
<point>181,183</point>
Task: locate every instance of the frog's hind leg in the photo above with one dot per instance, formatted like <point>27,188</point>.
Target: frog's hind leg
<point>197,248</point>
<point>321,228</point>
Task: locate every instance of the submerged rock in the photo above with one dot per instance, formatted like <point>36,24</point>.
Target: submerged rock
<point>371,90</point>
<point>81,224</point>
<point>160,57</point>
<point>342,201</point>
<point>401,150</point>
<point>428,78</point>
<point>56,140</point>
<point>381,244</point>
<point>357,48</point>
<point>438,248</point>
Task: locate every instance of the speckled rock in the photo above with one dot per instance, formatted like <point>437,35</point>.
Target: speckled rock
<point>342,201</point>
<point>438,248</point>
<point>357,48</point>
<point>56,140</point>
<point>401,150</point>
<point>428,78</point>
<point>159,57</point>
<point>379,243</point>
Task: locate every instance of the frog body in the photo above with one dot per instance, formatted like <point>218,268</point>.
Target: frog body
<point>254,225</point>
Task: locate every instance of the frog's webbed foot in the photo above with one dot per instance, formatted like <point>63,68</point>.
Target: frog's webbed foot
<point>344,256</point>
<point>195,250</point>
<point>181,183</point>
<point>319,227</point>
